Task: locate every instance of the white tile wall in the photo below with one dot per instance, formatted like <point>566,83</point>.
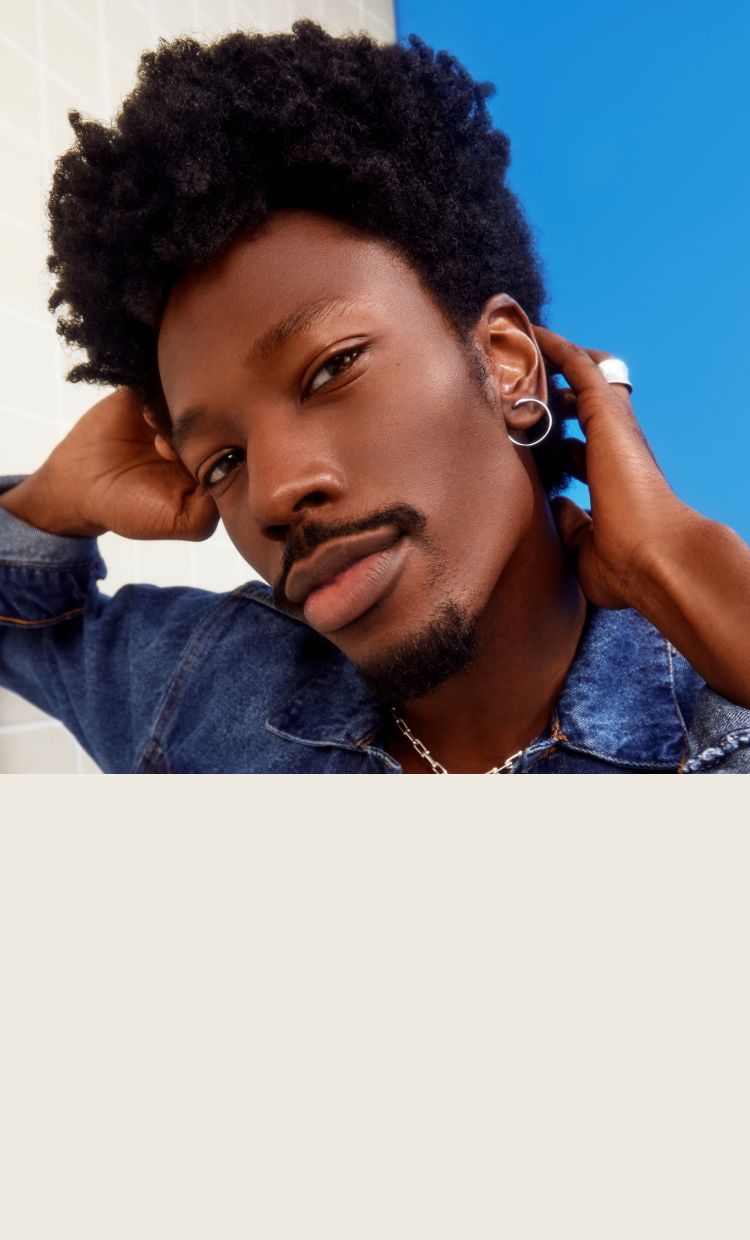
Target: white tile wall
<point>56,55</point>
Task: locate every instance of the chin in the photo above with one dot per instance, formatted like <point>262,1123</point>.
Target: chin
<point>415,665</point>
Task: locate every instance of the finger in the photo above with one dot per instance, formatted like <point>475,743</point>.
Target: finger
<point>596,356</point>
<point>574,458</point>
<point>575,364</point>
<point>573,523</point>
<point>567,403</point>
<point>623,390</point>
<point>598,403</point>
<point>554,342</point>
<point>595,396</point>
<point>573,451</point>
<point>562,353</point>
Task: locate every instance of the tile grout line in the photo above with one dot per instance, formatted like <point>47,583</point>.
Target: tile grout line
<point>40,143</point>
<point>154,21</point>
<point>50,164</point>
<point>16,220</point>
<point>23,317</point>
<point>140,8</point>
<point>84,25</point>
<point>104,82</point>
<point>45,418</point>
<point>50,73</point>
<point>17,132</point>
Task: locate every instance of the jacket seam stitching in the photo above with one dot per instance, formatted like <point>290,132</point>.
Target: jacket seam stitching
<point>676,704</point>
<point>575,747</point>
<point>63,615</point>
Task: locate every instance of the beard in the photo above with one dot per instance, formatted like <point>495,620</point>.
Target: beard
<point>418,664</point>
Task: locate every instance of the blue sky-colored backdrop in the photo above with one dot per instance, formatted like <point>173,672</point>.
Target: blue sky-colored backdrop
<point>629,128</point>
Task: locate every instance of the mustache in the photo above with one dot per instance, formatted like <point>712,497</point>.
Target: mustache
<point>304,539</point>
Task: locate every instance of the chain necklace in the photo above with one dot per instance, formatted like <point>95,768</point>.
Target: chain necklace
<point>437,769</point>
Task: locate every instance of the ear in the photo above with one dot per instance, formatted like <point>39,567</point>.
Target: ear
<point>161,443</point>
<point>505,338</point>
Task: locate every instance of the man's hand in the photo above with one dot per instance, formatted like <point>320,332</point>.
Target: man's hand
<point>107,474</point>
<point>641,546</point>
<point>635,516</point>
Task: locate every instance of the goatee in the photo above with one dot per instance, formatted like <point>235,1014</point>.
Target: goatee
<point>418,664</point>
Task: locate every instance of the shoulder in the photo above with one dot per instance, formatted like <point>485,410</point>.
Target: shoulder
<point>255,599</point>
<point>250,613</point>
<point>246,627</point>
<point>632,696</point>
<point>715,731</point>
<point>202,634</point>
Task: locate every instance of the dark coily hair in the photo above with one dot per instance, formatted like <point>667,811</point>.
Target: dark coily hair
<point>394,140</point>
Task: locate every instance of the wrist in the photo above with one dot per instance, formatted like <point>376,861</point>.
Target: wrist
<point>695,589</point>
<point>38,502</point>
<point>661,568</point>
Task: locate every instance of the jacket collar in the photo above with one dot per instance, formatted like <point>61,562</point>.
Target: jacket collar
<point>332,708</point>
<point>618,701</point>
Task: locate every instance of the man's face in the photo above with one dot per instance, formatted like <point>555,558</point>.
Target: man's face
<point>360,435</point>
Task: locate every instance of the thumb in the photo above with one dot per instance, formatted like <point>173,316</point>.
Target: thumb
<point>574,525</point>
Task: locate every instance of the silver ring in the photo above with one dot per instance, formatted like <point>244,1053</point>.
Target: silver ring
<point>615,370</point>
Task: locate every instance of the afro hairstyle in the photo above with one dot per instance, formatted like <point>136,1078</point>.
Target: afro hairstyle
<point>396,141</point>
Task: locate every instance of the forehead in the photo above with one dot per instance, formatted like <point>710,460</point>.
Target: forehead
<point>297,258</point>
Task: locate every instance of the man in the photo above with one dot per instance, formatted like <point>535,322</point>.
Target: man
<point>297,260</point>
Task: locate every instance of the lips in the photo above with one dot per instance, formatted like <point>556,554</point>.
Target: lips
<point>343,581</point>
<point>334,558</point>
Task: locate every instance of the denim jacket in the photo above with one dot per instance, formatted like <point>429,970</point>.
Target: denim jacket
<point>155,680</point>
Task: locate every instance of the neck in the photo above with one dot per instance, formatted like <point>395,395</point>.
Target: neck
<point>528,635</point>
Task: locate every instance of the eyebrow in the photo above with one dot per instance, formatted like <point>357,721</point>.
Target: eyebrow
<point>302,319</point>
<point>192,421</point>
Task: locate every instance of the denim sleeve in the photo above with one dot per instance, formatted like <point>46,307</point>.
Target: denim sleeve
<point>719,737</point>
<point>101,665</point>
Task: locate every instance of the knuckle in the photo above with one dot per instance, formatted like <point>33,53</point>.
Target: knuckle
<point>574,350</point>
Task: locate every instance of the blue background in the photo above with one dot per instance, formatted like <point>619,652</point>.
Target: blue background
<point>629,130</point>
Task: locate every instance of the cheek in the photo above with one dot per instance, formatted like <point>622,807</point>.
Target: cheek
<point>468,467</point>
<point>263,556</point>
<point>429,433</point>
<point>483,505</point>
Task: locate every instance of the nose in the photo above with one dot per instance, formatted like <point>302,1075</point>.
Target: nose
<point>285,487</point>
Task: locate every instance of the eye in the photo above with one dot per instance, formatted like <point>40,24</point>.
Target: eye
<point>222,467</point>
<point>334,365</point>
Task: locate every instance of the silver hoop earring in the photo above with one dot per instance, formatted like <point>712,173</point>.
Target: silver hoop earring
<point>525,443</point>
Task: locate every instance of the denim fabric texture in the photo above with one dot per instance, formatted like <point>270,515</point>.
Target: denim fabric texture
<point>180,680</point>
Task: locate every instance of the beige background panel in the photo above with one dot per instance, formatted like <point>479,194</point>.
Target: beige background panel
<point>472,1009</point>
<point>56,55</point>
